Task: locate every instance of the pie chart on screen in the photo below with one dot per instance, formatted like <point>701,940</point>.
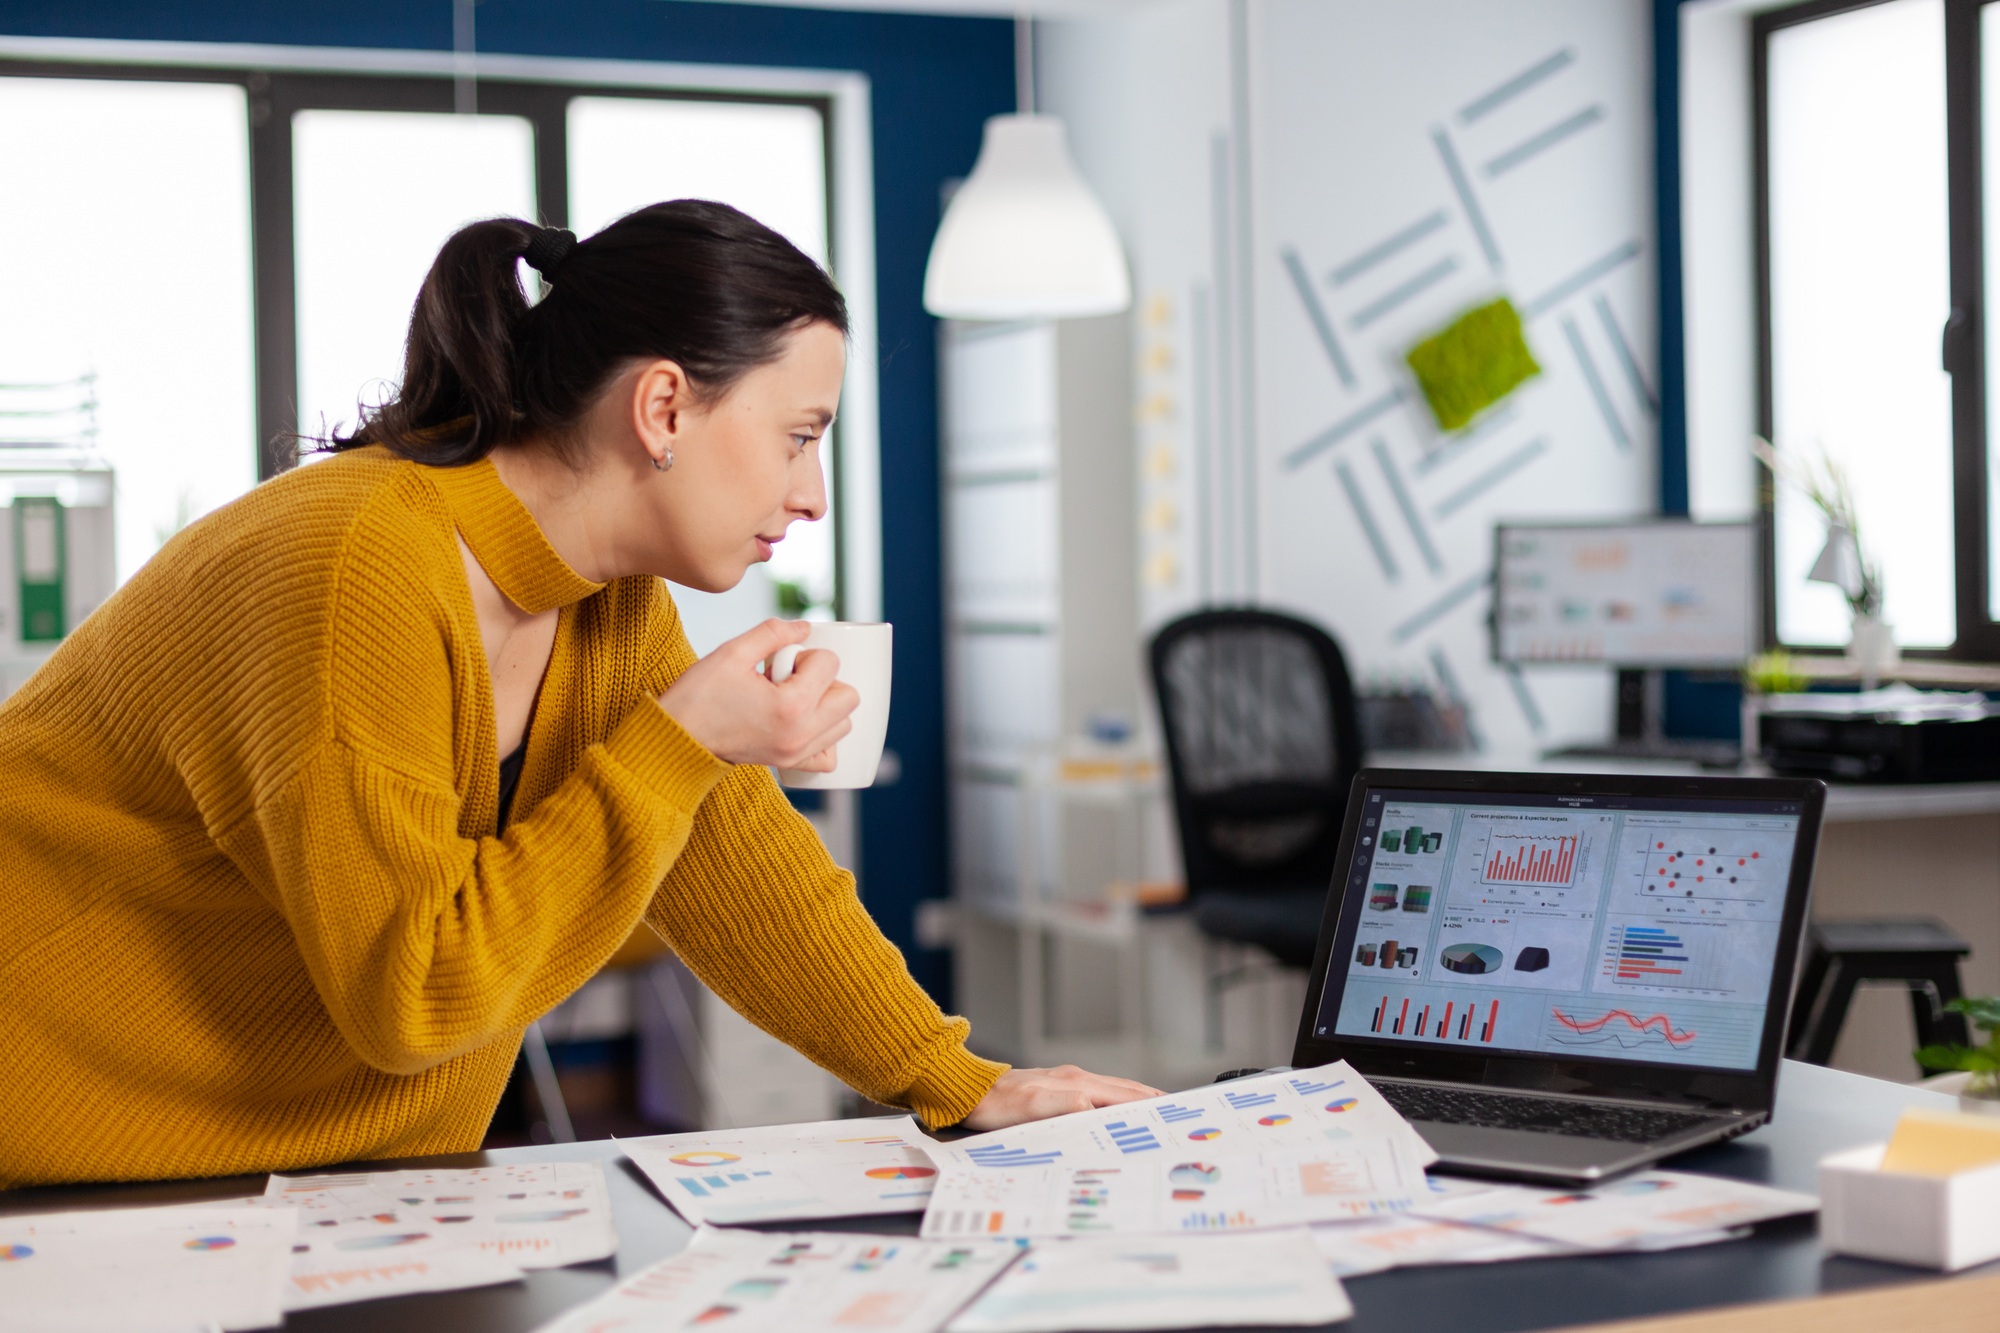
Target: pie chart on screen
<point>1275,1120</point>
<point>704,1159</point>
<point>209,1243</point>
<point>15,1252</point>
<point>1204,1134</point>
<point>901,1172</point>
<point>1344,1104</point>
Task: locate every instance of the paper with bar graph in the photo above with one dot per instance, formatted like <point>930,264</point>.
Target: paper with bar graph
<point>774,1173</point>
<point>776,1282</point>
<point>1276,1150</point>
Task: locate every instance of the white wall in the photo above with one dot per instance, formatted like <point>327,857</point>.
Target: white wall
<point>1226,136</point>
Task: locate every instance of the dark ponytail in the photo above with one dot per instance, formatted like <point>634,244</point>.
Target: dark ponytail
<point>697,283</point>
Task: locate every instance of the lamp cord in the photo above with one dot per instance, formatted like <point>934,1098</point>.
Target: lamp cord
<point>1024,63</point>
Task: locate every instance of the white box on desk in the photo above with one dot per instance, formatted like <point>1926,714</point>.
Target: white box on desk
<point>1943,1222</point>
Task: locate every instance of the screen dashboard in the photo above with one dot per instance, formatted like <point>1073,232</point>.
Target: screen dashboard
<point>1537,924</point>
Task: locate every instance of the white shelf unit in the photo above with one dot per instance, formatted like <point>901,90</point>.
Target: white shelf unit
<point>1041,612</point>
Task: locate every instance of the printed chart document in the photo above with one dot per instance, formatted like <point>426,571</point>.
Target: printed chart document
<point>1281,1149</point>
<point>769,1282</point>
<point>386,1233</point>
<point>785,1173</point>
<point>1649,1210</point>
<point>1377,1244</point>
<point>133,1270</point>
<point>1261,1279</point>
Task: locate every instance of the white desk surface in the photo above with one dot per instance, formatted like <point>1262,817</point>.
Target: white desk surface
<point>1845,803</point>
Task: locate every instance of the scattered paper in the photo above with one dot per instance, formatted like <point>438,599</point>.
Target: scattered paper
<point>524,1215</point>
<point>138,1269</point>
<point>1270,1278</point>
<point>1377,1244</point>
<point>769,1282</point>
<point>780,1173</point>
<point>1646,1210</point>
<point>1278,1150</point>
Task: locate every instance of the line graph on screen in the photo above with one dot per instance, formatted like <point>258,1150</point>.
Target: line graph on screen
<point>1720,1037</point>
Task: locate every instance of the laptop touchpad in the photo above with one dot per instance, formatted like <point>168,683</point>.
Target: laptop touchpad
<point>1478,1145</point>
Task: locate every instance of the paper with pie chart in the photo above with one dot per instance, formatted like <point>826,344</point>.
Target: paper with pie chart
<point>774,1173</point>
<point>386,1232</point>
<point>1281,1149</point>
<point>99,1270</point>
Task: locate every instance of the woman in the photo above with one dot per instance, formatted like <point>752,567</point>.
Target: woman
<point>370,769</point>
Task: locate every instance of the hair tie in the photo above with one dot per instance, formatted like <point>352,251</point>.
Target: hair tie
<point>548,249</point>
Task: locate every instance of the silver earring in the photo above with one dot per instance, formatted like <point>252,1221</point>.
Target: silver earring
<point>662,464</point>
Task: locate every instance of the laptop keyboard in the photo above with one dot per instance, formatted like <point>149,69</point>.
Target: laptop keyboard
<point>1539,1115</point>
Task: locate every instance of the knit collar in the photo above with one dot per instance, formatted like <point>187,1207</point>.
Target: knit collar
<point>507,541</point>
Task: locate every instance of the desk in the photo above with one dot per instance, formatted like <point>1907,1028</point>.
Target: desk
<point>1819,1111</point>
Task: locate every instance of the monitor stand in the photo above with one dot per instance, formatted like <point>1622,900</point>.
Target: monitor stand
<point>1640,709</point>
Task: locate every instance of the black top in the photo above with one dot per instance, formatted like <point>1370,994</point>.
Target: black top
<point>510,778</point>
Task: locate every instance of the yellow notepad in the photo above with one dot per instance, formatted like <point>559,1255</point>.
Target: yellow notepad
<point>1942,1143</point>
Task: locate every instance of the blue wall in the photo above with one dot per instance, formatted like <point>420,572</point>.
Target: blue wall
<point>935,80</point>
<point>1667,197</point>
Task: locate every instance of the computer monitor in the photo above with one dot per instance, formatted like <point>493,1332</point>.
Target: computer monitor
<point>1652,594</point>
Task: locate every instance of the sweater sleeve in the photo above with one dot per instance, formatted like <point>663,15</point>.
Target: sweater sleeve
<point>423,939</point>
<point>760,912</point>
<point>423,944</point>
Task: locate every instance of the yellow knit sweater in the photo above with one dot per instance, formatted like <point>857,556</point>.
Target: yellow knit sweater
<point>253,912</point>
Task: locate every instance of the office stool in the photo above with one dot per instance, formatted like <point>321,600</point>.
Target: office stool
<point>1920,952</point>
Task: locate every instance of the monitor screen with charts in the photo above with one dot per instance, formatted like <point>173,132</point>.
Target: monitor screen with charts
<point>1633,928</point>
<point>1649,594</point>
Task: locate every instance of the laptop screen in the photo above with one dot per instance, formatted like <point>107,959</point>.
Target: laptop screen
<point>1623,928</point>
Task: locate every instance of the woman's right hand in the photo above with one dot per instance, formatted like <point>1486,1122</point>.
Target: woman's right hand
<point>741,717</point>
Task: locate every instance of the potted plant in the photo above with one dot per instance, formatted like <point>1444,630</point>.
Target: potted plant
<point>1979,1090</point>
<point>1843,562</point>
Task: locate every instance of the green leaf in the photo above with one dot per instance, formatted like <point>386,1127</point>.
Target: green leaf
<point>1983,1010</point>
<point>1981,1062</point>
<point>1945,1057</point>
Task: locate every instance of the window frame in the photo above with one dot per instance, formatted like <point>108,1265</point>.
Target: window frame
<point>1961,340</point>
<point>280,81</point>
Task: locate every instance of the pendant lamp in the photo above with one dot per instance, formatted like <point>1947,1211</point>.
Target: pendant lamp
<point>1024,238</point>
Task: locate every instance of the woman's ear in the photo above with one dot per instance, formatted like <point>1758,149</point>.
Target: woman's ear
<point>661,400</point>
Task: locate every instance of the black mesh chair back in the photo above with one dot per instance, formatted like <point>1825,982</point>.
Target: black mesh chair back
<point>1262,746</point>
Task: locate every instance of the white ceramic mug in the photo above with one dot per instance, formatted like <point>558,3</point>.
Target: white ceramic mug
<point>864,652</point>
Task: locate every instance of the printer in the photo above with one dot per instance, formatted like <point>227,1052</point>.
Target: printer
<point>1895,734</point>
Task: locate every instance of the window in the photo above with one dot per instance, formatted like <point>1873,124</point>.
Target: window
<point>226,256</point>
<point>375,193</point>
<point>1869,249</point>
<point>128,327</point>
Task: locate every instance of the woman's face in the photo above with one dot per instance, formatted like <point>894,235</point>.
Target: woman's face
<point>746,465</point>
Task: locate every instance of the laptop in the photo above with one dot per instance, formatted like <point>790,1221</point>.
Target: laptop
<point>1562,977</point>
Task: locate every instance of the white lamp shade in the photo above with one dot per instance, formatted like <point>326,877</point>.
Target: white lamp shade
<point>1839,562</point>
<point>1024,238</point>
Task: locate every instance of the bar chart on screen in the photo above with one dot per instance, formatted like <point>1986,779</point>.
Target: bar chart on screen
<point>1452,1020</point>
<point>1535,860</point>
<point>1670,956</point>
<point>1531,860</point>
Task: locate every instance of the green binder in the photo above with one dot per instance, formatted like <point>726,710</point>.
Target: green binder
<point>39,564</point>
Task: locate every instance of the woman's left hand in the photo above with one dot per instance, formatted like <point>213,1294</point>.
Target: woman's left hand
<point>1037,1094</point>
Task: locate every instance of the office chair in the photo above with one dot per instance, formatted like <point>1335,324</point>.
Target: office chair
<point>1262,746</point>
